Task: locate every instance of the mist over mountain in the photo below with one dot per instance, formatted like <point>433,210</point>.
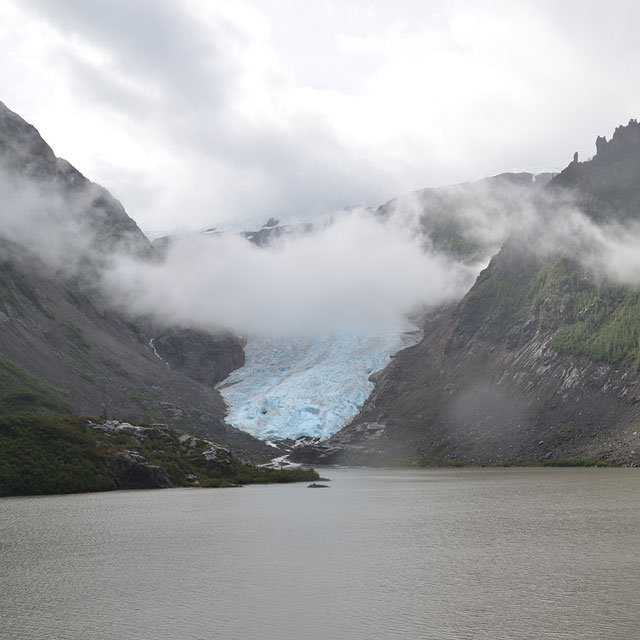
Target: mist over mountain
<point>58,233</point>
<point>314,384</point>
<point>132,329</point>
<point>364,247</point>
<point>539,361</point>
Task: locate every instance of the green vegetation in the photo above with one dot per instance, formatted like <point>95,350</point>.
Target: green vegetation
<point>251,474</point>
<point>181,461</point>
<point>62,454</point>
<point>563,462</point>
<point>434,461</point>
<point>598,321</point>
<point>74,334</point>
<point>50,454</point>
<point>607,328</point>
<point>447,234</point>
<point>574,462</point>
<point>118,369</point>
<point>501,299</point>
<point>22,393</point>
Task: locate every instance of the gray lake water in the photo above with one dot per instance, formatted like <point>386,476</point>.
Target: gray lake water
<point>503,553</point>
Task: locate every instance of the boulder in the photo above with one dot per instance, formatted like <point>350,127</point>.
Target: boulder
<point>130,470</point>
<point>218,460</point>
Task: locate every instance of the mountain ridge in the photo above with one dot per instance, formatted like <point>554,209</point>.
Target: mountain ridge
<point>537,362</point>
<point>56,324</point>
<point>511,374</point>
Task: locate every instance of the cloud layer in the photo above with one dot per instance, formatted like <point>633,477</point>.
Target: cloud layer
<point>358,273</point>
<point>360,270</point>
<point>193,112</point>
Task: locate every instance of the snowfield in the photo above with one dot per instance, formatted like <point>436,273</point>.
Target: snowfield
<point>308,387</point>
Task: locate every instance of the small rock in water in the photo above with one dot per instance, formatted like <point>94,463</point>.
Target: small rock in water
<point>315,485</point>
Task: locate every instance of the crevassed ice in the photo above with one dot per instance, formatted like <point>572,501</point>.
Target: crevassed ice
<point>308,387</point>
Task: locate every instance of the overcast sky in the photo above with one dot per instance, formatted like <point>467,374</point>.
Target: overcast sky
<point>195,112</point>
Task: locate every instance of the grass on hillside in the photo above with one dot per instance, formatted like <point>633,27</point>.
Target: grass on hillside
<point>22,393</point>
<point>598,321</point>
<point>61,454</point>
<point>50,454</point>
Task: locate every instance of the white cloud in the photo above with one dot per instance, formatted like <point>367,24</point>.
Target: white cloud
<point>358,273</point>
<point>193,112</point>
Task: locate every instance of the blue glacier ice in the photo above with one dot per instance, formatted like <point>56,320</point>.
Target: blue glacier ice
<point>290,388</point>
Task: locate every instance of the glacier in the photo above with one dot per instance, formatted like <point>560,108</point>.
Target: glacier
<point>295,387</point>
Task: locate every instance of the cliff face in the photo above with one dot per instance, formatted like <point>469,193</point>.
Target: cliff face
<point>206,358</point>
<point>607,185</point>
<point>55,324</point>
<point>537,362</point>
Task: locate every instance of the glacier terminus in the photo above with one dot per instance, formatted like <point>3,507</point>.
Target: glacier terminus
<point>290,388</point>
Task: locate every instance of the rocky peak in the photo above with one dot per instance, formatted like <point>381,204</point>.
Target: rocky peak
<point>26,157</point>
<point>21,146</point>
<point>606,185</point>
<point>625,139</point>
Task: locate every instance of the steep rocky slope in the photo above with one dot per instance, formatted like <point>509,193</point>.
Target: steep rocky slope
<point>54,322</point>
<point>538,361</point>
<point>203,357</point>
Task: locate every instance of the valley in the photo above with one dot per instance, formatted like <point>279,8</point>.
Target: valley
<point>530,357</point>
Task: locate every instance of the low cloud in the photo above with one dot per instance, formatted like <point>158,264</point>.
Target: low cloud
<point>359,272</point>
<point>50,226</point>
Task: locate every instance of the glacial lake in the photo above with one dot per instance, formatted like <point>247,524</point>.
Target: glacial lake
<point>382,554</point>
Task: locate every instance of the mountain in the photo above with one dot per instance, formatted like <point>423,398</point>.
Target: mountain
<point>467,221</point>
<point>291,387</point>
<point>607,185</point>
<point>538,362</point>
<point>57,330</point>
